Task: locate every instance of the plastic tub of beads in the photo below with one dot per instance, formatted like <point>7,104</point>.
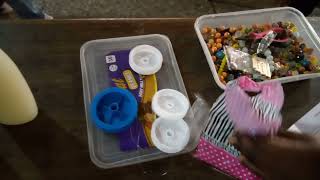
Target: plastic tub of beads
<point>297,59</point>
<point>96,57</point>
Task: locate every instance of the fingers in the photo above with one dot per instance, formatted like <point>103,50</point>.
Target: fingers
<point>295,136</point>
<point>246,145</point>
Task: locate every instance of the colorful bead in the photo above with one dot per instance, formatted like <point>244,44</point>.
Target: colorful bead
<point>218,35</point>
<point>289,73</point>
<point>292,64</point>
<point>230,77</point>
<point>269,58</point>
<point>242,43</point>
<point>205,30</point>
<point>223,64</point>
<point>256,76</point>
<point>275,25</point>
<point>237,34</point>
<point>224,74</point>
<point>305,63</point>
<point>240,27</point>
<point>272,68</point>
<point>237,74</point>
<point>302,46</point>
<point>245,49</point>
<point>308,50</point>
<point>220,54</point>
<point>267,53</point>
<point>299,57</point>
<point>214,58</point>
<point>247,30</point>
<point>313,59</point>
<point>221,28</point>
<point>214,49</point>
<point>219,45</point>
<point>232,29</point>
<point>312,67</point>
<point>236,46</point>
<point>301,69</point>
<point>294,72</point>
<point>218,40</point>
<point>211,41</point>
<point>267,27</point>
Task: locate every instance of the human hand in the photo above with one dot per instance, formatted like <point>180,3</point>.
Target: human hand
<point>284,156</point>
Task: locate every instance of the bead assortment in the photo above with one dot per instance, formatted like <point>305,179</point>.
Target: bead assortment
<point>285,52</point>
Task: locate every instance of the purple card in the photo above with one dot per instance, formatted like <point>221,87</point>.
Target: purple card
<point>122,76</point>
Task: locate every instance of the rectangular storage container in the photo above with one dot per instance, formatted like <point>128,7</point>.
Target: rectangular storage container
<point>260,16</point>
<point>103,147</point>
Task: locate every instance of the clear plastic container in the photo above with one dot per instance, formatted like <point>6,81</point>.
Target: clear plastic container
<point>260,16</point>
<point>104,147</point>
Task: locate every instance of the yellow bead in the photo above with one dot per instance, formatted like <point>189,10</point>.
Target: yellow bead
<point>236,46</point>
<point>219,45</point>
<point>313,59</point>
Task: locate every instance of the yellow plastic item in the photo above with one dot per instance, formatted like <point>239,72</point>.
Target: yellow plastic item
<point>223,64</point>
<point>146,114</point>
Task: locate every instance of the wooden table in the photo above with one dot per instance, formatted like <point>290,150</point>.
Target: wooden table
<point>54,145</point>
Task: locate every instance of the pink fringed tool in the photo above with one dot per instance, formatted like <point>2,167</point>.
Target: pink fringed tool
<point>236,110</point>
<point>259,114</point>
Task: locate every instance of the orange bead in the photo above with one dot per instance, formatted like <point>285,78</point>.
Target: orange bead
<point>218,40</point>
<point>232,29</point>
<point>224,74</point>
<point>214,58</point>
<point>221,28</point>
<point>240,27</point>
<point>218,35</point>
<point>226,34</point>
<point>267,26</point>
<point>221,78</point>
<point>214,49</point>
<point>219,45</point>
<point>255,26</point>
<point>205,30</point>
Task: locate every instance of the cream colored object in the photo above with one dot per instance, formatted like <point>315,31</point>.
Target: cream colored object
<point>17,104</point>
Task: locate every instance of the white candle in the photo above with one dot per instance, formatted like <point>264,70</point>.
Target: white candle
<point>17,104</point>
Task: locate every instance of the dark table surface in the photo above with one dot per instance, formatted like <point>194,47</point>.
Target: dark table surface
<point>54,145</point>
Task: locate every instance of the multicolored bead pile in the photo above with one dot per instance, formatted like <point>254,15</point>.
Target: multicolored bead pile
<point>287,55</point>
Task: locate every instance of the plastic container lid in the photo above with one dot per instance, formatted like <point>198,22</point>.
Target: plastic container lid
<point>170,104</point>
<point>170,136</point>
<point>145,59</point>
<point>114,110</point>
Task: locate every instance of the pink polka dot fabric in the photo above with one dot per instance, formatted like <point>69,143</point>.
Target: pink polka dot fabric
<point>222,160</point>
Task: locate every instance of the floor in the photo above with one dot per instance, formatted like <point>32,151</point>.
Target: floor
<point>148,8</point>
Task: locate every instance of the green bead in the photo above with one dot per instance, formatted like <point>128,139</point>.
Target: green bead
<point>248,30</point>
